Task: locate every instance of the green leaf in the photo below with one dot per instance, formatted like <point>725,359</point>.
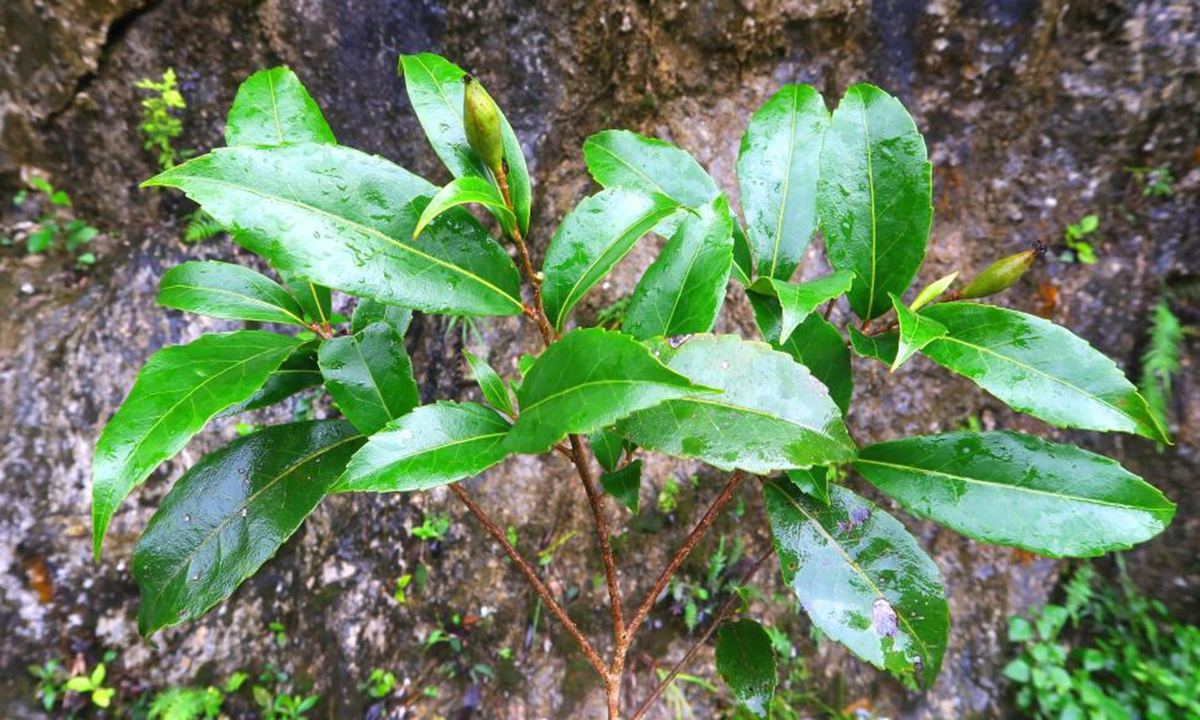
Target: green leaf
<point>624,484</point>
<point>743,260</point>
<point>771,415</point>
<point>874,196</point>
<point>369,376</point>
<point>777,171</point>
<point>588,380</point>
<point>684,288</point>
<point>1040,368</point>
<point>932,291</point>
<point>916,331</point>
<point>1017,490</point>
<point>607,445</point>
<point>342,218</point>
<point>298,372</point>
<point>861,578</point>
<point>799,300</point>
<point>746,663</point>
<point>224,290</point>
<point>816,344</point>
<point>624,159</point>
<point>466,191</point>
<point>813,481</point>
<point>272,107</point>
<point>372,311</point>
<point>177,392</point>
<point>316,300</point>
<point>435,89</point>
<point>593,238</point>
<point>880,346</point>
<point>230,513</point>
<point>493,386</point>
<point>433,445</point>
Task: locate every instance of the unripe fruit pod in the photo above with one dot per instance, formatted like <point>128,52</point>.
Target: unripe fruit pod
<point>481,118</point>
<point>999,276</point>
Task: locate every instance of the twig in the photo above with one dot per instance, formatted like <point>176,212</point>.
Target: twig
<point>681,554</point>
<point>725,611</point>
<point>610,568</point>
<point>527,570</point>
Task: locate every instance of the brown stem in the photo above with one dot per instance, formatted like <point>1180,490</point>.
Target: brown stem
<point>596,500</point>
<point>681,554</point>
<point>725,611</point>
<point>542,591</point>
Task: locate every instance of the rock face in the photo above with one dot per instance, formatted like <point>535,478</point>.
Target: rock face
<point>1032,110</point>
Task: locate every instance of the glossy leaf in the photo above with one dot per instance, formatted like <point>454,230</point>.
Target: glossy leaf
<point>298,372</point>
<point>272,107</point>
<point>880,346</point>
<point>684,288</point>
<point>345,219</point>
<point>433,445</point>
<point>591,240</point>
<point>777,170</point>
<point>231,512</point>
<point>816,344</point>
<point>771,415</point>
<point>813,481</point>
<point>1040,368</point>
<point>1018,490</point>
<point>933,291</point>
<point>493,386</point>
<point>467,191</point>
<point>624,159</point>
<point>798,300</point>
<point>743,259</point>
<point>316,300</point>
<point>874,196</point>
<point>178,390</point>
<point>607,445</point>
<point>372,311</point>
<point>369,376</point>
<point>916,331</point>
<point>624,484</point>
<point>586,381</point>
<point>224,290</point>
<point>861,578</point>
<point>746,662</point>
<point>435,89</point>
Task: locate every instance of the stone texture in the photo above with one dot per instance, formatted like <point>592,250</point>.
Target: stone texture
<point>1031,110</point>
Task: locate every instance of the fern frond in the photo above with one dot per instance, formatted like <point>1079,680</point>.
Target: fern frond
<point>1160,363</point>
<point>201,226</point>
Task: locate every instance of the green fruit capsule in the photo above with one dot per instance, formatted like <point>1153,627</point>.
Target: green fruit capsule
<point>999,276</point>
<point>481,118</point>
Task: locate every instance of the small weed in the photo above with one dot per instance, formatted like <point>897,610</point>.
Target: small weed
<point>379,684</point>
<point>200,227</point>
<point>159,126</point>
<point>433,527</point>
<point>56,228</point>
<point>279,632</point>
<point>402,583</point>
<point>1075,235</point>
<point>1155,181</point>
<point>51,682</point>
<point>93,684</point>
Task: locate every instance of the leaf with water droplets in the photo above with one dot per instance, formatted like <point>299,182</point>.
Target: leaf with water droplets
<point>771,414</point>
<point>369,376</point>
<point>433,445</point>
<point>593,238</point>
<point>620,158</point>
<point>798,300</point>
<point>777,173</point>
<point>746,662</point>
<point>467,191</point>
<point>372,311</point>
<point>230,513</point>
<point>880,346</point>
<point>815,344</point>
<point>224,290</point>
<point>683,289</point>
<point>179,389</point>
<point>1018,490</point>
<point>916,331</point>
<point>874,196</point>
<point>272,107</point>
<point>495,390</point>
<point>861,578</point>
<point>435,89</point>
<point>1040,368</point>
<point>298,372</point>
<point>344,219</point>
<point>588,380</point>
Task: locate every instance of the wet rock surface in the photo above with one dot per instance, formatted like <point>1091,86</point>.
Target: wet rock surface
<point>1032,110</point>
